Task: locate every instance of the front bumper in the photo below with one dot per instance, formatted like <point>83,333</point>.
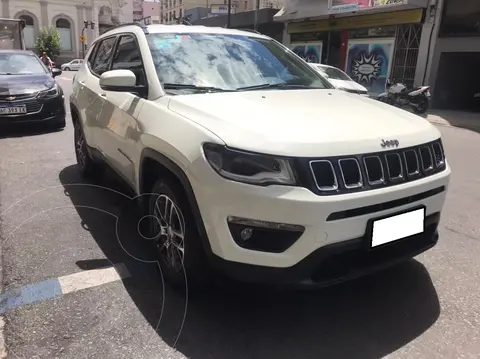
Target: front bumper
<point>327,220</point>
<point>335,263</point>
<point>38,111</point>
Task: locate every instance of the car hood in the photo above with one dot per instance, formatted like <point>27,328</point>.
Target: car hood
<point>303,122</point>
<point>349,85</point>
<point>24,84</point>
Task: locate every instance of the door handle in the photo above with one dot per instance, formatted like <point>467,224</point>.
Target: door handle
<point>81,82</point>
<point>104,95</point>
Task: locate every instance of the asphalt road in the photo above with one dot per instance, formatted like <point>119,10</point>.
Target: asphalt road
<point>56,229</point>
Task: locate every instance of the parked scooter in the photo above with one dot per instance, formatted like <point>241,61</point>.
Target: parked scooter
<point>398,95</point>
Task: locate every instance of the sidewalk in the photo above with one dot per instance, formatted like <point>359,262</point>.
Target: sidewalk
<point>467,120</point>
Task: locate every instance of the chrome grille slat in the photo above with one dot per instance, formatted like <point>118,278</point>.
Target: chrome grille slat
<point>348,174</point>
<point>370,168</point>
<point>438,154</point>
<point>327,166</point>
<point>415,170</point>
<point>390,163</point>
<point>426,157</point>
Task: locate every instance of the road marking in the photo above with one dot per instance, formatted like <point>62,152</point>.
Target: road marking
<point>52,288</point>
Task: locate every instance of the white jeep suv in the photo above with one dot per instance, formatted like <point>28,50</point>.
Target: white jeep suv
<point>261,170</point>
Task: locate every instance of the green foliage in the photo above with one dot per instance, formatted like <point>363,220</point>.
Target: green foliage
<point>48,40</point>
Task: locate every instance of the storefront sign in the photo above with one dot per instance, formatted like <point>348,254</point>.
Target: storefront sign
<point>338,6</point>
<point>309,51</point>
<point>220,9</point>
<point>369,62</point>
<point>357,22</point>
<point>386,2</point>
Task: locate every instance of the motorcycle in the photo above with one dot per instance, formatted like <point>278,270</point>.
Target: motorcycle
<point>398,95</point>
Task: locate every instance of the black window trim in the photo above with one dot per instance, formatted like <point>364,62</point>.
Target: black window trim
<point>117,36</point>
<point>97,45</point>
<point>120,35</point>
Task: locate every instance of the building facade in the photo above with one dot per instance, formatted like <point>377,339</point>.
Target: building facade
<point>137,10</point>
<point>450,54</point>
<point>151,12</point>
<point>372,40</point>
<point>68,17</point>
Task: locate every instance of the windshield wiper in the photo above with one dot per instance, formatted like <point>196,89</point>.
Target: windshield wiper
<point>276,86</point>
<point>169,86</point>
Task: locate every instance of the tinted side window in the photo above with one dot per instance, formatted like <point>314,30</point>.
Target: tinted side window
<point>104,54</point>
<point>128,57</point>
<point>91,58</point>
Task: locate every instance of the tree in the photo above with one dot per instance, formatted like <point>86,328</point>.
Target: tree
<point>48,41</point>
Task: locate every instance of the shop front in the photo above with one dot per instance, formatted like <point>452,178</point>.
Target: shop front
<point>370,48</point>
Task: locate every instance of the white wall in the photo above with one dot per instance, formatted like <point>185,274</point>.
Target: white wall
<point>45,13</point>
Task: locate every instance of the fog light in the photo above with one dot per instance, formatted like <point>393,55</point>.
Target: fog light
<point>263,236</point>
<point>246,234</point>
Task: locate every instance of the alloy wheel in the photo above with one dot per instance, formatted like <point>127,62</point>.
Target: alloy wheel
<point>169,228</point>
<point>80,147</point>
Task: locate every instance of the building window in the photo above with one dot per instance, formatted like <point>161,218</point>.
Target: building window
<point>174,3</point>
<point>174,17</point>
<point>29,31</point>
<point>180,2</point>
<point>180,13</point>
<point>246,5</point>
<point>170,16</point>
<point>63,28</point>
<point>460,18</point>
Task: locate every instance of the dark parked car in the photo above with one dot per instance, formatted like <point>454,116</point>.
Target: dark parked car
<point>28,91</point>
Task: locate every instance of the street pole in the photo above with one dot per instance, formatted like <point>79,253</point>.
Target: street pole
<point>83,43</point>
<point>229,13</point>
<point>257,7</point>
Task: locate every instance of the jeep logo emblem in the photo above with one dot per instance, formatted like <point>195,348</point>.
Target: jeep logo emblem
<point>389,143</point>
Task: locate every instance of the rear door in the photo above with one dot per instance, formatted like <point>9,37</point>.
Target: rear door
<point>91,97</point>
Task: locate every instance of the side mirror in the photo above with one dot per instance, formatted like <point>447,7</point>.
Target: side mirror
<point>119,81</point>
<point>56,72</point>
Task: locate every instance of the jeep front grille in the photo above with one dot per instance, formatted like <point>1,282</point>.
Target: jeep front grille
<point>374,170</point>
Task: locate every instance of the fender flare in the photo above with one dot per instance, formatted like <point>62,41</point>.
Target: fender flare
<point>183,179</point>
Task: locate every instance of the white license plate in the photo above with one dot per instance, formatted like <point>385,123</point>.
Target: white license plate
<point>12,110</point>
<point>398,227</point>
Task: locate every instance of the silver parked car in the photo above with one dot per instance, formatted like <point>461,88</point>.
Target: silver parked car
<point>73,65</point>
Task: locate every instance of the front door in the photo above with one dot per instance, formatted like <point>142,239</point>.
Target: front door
<point>121,132</point>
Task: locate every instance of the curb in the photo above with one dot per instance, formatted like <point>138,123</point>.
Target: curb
<point>3,350</point>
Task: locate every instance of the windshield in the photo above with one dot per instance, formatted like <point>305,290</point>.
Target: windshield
<point>228,62</point>
<point>335,74</point>
<point>20,64</point>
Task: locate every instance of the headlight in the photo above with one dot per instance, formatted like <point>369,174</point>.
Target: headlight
<point>249,167</point>
<point>49,93</point>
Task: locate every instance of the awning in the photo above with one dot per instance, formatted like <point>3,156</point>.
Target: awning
<point>295,10</point>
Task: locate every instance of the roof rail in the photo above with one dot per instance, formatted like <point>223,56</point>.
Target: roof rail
<point>251,30</point>
<point>143,27</point>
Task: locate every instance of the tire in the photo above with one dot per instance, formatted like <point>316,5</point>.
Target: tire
<point>88,168</point>
<point>67,69</point>
<point>170,219</point>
